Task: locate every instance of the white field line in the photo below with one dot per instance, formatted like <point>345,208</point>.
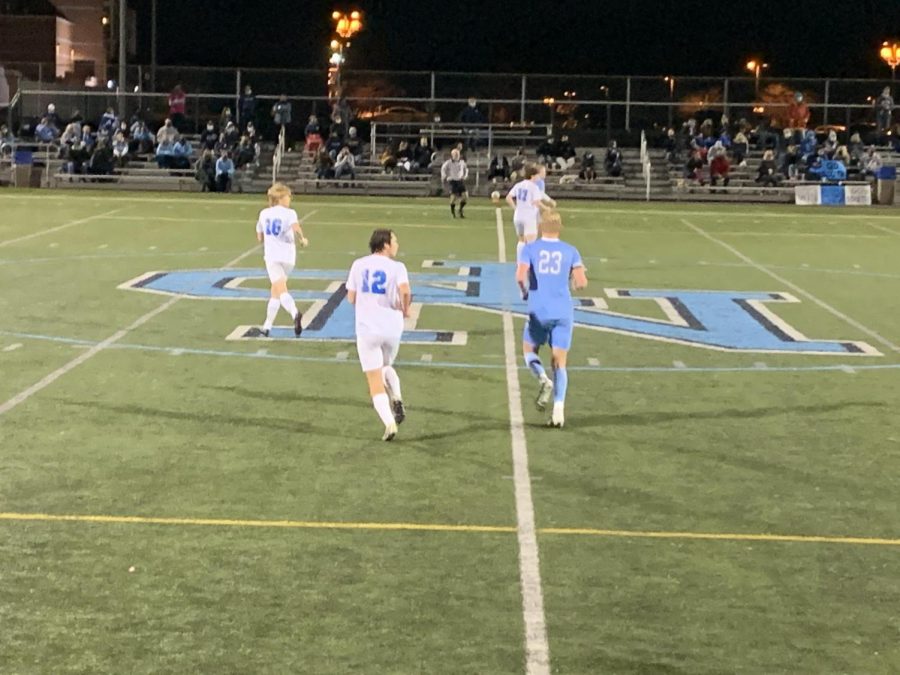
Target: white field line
<point>50,378</point>
<point>537,649</point>
<point>667,209</point>
<point>64,226</point>
<point>324,223</point>
<point>794,287</point>
<point>884,229</point>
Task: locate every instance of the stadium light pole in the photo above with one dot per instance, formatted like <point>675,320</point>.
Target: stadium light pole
<point>346,26</point>
<point>890,54</point>
<point>605,90</point>
<point>756,67</point>
<point>671,81</point>
<point>123,48</point>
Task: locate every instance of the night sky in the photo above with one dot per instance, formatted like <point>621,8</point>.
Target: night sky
<point>802,38</point>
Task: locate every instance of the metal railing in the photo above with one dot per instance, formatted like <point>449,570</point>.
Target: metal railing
<point>646,165</point>
<point>278,155</point>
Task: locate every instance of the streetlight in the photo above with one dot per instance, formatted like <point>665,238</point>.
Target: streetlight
<point>671,81</point>
<point>756,67</point>
<point>346,26</point>
<point>890,53</point>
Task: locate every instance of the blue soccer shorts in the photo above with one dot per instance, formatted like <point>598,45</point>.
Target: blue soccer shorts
<point>556,332</point>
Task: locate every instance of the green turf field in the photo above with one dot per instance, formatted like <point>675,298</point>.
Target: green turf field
<point>703,510</point>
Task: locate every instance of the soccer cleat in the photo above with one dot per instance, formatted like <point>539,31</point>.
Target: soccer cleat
<point>298,328</point>
<point>557,419</point>
<point>264,332</point>
<point>544,393</point>
<point>389,432</point>
<point>399,412</point>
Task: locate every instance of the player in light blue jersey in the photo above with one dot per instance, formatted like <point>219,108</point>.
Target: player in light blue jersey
<point>546,268</point>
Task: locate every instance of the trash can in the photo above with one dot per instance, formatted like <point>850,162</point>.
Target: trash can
<point>884,187</point>
<point>23,162</point>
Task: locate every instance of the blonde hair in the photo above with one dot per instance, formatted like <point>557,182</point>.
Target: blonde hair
<point>551,222</point>
<point>277,192</point>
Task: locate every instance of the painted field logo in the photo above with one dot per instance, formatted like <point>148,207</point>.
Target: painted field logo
<point>722,320</point>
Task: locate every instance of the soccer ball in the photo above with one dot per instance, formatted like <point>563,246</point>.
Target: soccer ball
<point>495,197</point>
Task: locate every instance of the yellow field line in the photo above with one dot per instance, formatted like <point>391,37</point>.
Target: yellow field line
<point>224,522</point>
<point>724,536</point>
<point>437,527</point>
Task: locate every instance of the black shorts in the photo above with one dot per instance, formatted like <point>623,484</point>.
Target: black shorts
<point>458,188</point>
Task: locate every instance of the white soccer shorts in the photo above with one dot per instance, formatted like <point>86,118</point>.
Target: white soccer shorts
<point>526,227</point>
<point>278,270</point>
<point>376,351</point>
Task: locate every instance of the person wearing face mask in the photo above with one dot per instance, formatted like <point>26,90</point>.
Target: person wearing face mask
<point>209,137</point>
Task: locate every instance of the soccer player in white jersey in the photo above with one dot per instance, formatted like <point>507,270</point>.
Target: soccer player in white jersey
<point>276,228</point>
<point>378,286</point>
<point>528,200</point>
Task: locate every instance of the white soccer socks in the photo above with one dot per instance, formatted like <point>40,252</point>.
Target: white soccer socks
<point>288,303</point>
<point>271,313</point>
<point>392,382</point>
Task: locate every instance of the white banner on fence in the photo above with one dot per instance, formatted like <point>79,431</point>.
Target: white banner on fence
<point>857,195</point>
<point>807,195</point>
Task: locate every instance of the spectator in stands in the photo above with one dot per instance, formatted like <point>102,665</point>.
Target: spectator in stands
<point>767,175</point>
<point>124,129</point>
<point>7,140</point>
<point>791,162</point>
<point>45,132</point>
<point>209,138</point>
<point>884,110</point>
<point>251,133</point>
<point>167,132</point>
<point>857,150</point>
<point>78,156</point>
<point>741,148</point>
<point>141,139</point>
<point>282,113</point>
<point>345,164</point>
<point>719,166</point>
<point>324,164</point>
<point>334,143</point>
<point>423,154</point>
<point>708,136</point>
<point>355,145</point>
<point>694,166</point>
<point>517,165</point>
<point>798,115</point>
<point>225,117</point>
<point>612,163</point>
<point>245,153</point>
<point>546,151</point>
<point>52,118</point>
<point>670,145</point>
<point>766,137</point>
<point>224,172</point>
<point>120,149</point>
<point>830,145</point>
<point>177,107</point>
<point>588,172</point>
<point>165,153</point>
<point>205,171</point>
<point>565,154</point>
<point>498,169</point>
<point>842,155</point>
<point>725,136</point>
<point>230,136</point>
<point>313,135</point>
<point>872,164</point>
<point>71,134</point>
<point>827,169</point>
<point>101,162</point>
<point>88,137</point>
<point>388,158</point>
<point>247,107</point>
<point>471,115</point>
<point>809,146</point>
<point>182,154</point>
<point>109,122</point>
<point>404,157</point>
<point>340,116</point>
